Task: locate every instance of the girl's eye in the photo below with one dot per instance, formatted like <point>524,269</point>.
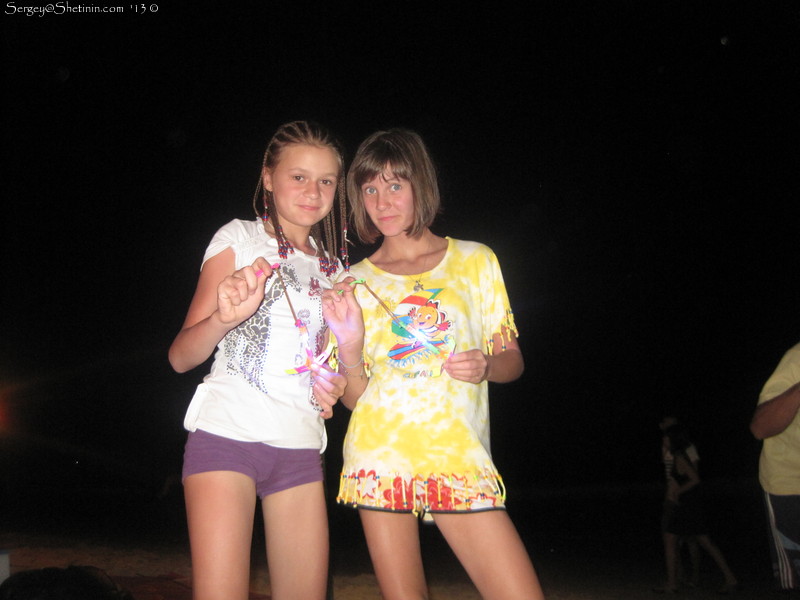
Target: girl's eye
<point>396,187</point>
<point>327,182</point>
<point>297,177</point>
<point>369,190</point>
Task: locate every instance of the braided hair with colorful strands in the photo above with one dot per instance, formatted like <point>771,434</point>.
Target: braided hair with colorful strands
<point>333,228</point>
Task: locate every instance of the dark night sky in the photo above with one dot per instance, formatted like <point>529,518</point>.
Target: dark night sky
<point>633,164</point>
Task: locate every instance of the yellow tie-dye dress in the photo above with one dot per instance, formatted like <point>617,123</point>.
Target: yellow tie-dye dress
<point>418,440</point>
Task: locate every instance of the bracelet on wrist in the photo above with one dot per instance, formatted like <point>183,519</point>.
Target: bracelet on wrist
<point>346,366</point>
<point>349,373</point>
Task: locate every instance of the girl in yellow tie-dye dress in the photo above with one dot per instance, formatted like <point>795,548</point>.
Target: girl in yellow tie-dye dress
<point>422,325</point>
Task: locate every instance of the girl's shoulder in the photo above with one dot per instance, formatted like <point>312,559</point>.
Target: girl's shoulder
<point>466,251</point>
<point>245,237</point>
<point>468,246</point>
<point>239,230</point>
<point>363,268</point>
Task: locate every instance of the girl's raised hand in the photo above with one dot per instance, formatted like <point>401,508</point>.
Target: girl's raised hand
<point>471,366</point>
<point>328,387</point>
<point>239,295</point>
<point>342,312</point>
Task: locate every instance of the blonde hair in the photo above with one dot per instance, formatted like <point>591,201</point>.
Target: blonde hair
<point>403,154</point>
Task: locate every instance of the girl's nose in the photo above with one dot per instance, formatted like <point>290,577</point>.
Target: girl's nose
<point>312,189</point>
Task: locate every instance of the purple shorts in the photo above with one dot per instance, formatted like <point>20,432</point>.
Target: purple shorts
<point>273,469</point>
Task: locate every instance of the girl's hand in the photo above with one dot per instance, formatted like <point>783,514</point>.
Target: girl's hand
<point>239,295</point>
<point>471,366</point>
<point>328,387</point>
<point>343,314</point>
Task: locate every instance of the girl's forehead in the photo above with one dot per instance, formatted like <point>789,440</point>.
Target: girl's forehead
<point>387,174</point>
<point>299,154</point>
<point>301,148</point>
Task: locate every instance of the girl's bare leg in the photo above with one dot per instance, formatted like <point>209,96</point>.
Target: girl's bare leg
<point>671,560</point>
<point>220,507</point>
<point>694,558</point>
<point>393,541</point>
<point>296,528</point>
<point>492,553</point>
<point>715,553</point>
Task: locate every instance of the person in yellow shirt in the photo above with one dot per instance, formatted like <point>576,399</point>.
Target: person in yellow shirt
<point>439,327</point>
<point>777,422</point>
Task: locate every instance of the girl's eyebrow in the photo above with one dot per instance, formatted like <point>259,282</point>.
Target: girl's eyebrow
<point>306,171</point>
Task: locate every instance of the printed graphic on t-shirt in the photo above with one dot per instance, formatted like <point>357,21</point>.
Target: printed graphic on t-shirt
<point>422,340</point>
<point>246,346</point>
<point>315,288</point>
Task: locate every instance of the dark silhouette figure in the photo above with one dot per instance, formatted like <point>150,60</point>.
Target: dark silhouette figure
<point>688,519</point>
<point>70,583</point>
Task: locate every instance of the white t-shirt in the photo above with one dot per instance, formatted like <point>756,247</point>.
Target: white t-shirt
<point>248,395</point>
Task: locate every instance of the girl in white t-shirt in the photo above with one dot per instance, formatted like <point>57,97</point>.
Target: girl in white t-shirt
<point>256,422</point>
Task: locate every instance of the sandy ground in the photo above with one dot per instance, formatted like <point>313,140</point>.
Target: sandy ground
<point>585,547</point>
<point>165,572</point>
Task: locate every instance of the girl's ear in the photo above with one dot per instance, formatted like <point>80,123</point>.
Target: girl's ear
<point>266,179</point>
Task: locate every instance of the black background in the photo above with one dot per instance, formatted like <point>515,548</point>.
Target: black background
<point>633,164</point>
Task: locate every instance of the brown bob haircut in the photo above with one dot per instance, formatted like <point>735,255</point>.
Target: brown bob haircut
<point>403,154</point>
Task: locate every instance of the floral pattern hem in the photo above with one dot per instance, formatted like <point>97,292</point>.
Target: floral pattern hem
<point>420,494</point>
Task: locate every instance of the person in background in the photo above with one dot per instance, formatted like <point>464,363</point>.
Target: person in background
<point>669,507</point>
<point>777,422</point>
<point>688,518</point>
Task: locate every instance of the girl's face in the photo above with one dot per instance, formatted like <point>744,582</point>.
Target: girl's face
<point>389,202</point>
<point>303,185</point>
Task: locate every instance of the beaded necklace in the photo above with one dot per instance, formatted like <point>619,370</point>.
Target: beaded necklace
<point>326,265</point>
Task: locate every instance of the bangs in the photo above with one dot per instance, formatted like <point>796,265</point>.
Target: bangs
<point>382,160</point>
<point>401,154</point>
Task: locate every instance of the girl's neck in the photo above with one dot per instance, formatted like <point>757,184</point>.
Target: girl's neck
<point>298,237</point>
<point>406,247</point>
<point>403,255</point>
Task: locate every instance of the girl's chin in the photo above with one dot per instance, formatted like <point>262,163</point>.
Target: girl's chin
<point>390,231</point>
